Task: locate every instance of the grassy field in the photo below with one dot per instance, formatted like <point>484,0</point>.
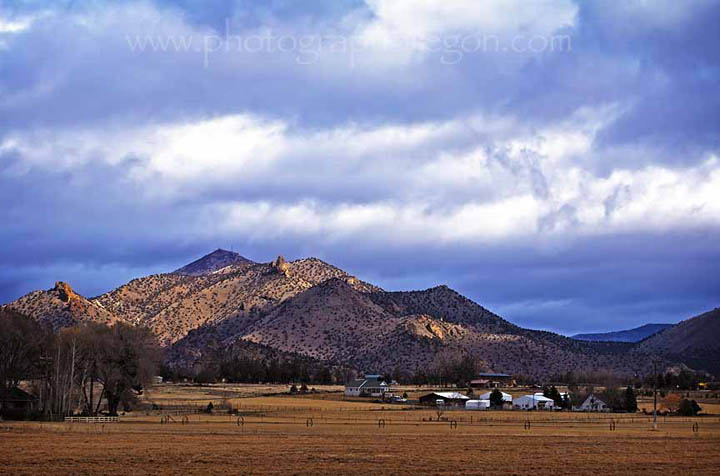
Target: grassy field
<point>317,434</point>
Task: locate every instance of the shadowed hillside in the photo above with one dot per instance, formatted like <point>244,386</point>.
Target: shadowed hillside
<point>631,335</point>
<point>695,342</point>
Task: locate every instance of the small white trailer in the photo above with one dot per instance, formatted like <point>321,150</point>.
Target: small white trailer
<point>477,404</point>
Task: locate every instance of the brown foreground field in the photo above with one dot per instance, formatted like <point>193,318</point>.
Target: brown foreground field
<point>286,435</point>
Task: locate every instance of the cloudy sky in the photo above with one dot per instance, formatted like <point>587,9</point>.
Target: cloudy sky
<point>557,161</point>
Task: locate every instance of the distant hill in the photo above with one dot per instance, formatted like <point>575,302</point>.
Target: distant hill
<point>694,342</point>
<point>313,309</point>
<point>631,335</point>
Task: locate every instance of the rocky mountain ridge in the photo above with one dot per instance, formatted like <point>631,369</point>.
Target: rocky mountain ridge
<point>313,309</point>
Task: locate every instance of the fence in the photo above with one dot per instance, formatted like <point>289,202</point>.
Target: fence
<point>99,419</point>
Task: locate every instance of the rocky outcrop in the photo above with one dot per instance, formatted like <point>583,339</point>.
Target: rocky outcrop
<point>61,307</point>
<point>280,266</point>
<point>65,292</point>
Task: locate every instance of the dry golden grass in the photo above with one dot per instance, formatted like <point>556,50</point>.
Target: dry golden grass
<point>195,395</point>
<point>273,437</point>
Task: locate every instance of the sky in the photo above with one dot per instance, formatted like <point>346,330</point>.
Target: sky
<point>556,161</point>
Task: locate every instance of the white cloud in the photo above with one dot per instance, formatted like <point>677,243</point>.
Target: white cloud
<point>403,30</point>
<point>493,17</point>
<point>430,182</point>
<point>16,25</point>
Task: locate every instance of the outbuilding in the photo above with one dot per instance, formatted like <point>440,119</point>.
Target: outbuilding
<point>477,404</point>
<point>16,403</point>
<point>533,402</point>
<point>444,398</point>
<point>492,380</point>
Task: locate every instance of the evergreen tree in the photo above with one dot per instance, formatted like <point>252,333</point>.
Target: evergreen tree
<point>555,395</point>
<point>496,398</point>
<point>688,408</point>
<point>630,400</point>
<point>546,392</point>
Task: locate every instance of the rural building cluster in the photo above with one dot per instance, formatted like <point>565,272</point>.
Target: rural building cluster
<point>375,386</point>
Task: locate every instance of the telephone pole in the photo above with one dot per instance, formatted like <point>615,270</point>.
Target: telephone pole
<point>655,379</point>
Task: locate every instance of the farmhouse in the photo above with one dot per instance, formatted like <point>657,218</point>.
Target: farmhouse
<point>492,380</point>
<point>370,386</point>
<point>443,398</point>
<point>533,402</point>
<point>593,404</point>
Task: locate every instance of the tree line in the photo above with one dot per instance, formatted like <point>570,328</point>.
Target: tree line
<point>75,370</point>
<point>681,380</point>
<point>244,362</point>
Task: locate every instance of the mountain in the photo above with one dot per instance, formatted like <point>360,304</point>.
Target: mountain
<point>61,307</point>
<point>631,335</point>
<point>211,262</point>
<point>312,309</point>
<point>694,342</point>
<point>174,304</point>
<point>337,322</point>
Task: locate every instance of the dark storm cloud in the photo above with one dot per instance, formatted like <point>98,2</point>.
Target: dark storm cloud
<point>95,224</point>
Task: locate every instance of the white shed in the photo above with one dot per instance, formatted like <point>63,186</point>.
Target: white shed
<point>477,404</point>
<point>536,402</point>
<point>507,398</point>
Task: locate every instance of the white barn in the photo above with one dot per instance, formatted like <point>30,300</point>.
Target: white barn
<point>534,402</point>
<point>593,404</point>
<point>477,404</point>
<point>507,398</point>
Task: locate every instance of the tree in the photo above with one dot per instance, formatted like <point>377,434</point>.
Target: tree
<point>630,400</point>
<point>688,407</point>
<point>452,366</point>
<point>671,402</point>
<point>24,345</point>
<point>496,398</point>
<point>613,398</point>
<point>128,361</point>
<point>556,397</point>
<point>85,348</point>
<point>323,375</point>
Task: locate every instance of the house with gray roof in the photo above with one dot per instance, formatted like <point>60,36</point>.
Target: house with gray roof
<point>370,386</point>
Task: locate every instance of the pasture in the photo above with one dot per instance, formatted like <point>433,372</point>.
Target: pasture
<point>322,434</point>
